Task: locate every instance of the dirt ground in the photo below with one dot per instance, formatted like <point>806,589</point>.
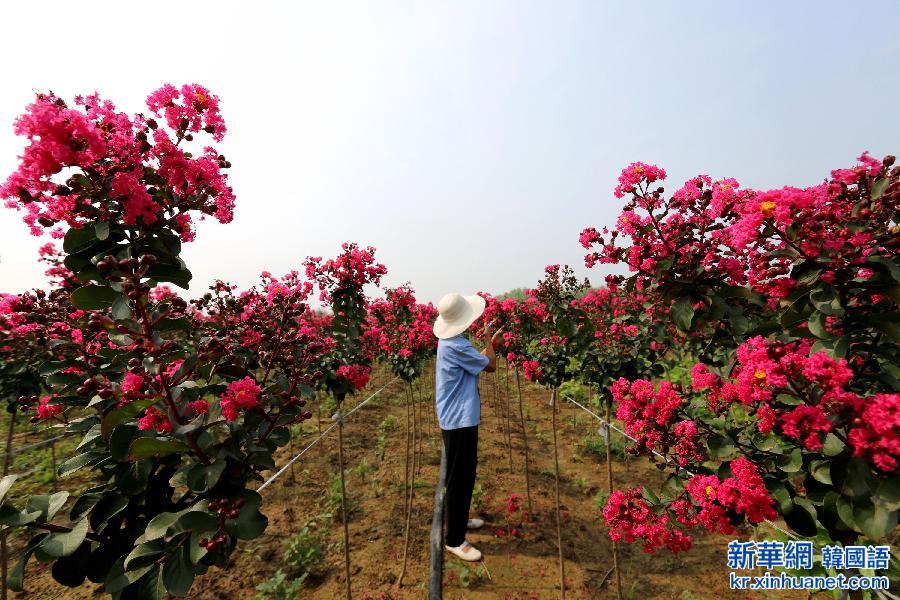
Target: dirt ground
<point>521,564</point>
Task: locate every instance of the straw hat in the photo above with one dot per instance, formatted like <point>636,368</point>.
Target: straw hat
<point>456,313</point>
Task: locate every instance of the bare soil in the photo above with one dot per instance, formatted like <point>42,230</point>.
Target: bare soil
<point>520,566</point>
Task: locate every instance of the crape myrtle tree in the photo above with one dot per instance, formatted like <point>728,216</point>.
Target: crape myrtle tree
<point>400,330</point>
<point>178,413</point>
<point>520,321</point>
<point>559,335</point>
<point>347,366</point>
<point>789,299</point>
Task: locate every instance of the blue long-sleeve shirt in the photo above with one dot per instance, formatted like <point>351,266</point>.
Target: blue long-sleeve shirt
<point>456,383</point>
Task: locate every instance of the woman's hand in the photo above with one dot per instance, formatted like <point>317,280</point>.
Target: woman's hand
<point>491,339</point>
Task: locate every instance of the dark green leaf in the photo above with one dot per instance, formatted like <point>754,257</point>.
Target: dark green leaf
<point>123,413</point>
<point>178,573</point>
<point>77,240</point>
<point>147,447</point>
<point>682,313</point>
<point>64,544</point>
<point>94,297</point>
<point>101,229</point>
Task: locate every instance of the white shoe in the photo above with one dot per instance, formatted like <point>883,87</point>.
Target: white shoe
<point>475,524</point>
<point>465,551</point>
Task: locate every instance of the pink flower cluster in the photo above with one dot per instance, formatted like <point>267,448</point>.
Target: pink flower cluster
<point>877,436</point>
<point>45,410</point>
<point>743,493</point>
<point>357,375</point>
<point>149,176</point>
<point>155,419</point>
<point>647,415</point>
<point>629,518</point>
<point>189,109</point>
<point>709,503</point>
<point>635,174</point>
<point>766,369</point>
<point>354,267</point>
<point>242,394</point>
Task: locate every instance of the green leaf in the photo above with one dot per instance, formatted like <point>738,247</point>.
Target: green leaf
<point>77,462</point>
<point>93,297</point>
<point>147,447</point>
<point>5,484</point>
<point>150,586</point>
<point>790,463</point>
<point>64,544</point>
<point>844,508</point>
<point>121,310</point>
<point>122,414</point>
<point>201,477</point>
<point>120,441</point>
<point>802,518</point>
<point>875,521</point>
<point>47,504</point>
<point>178,573</point>
<point>144,554</point>
<point>159,525</point>
<point>77,240</point>
<point>890,264</point>
<point>101,229</point>
<point>250,523</point>
<point>118,578</point>
<point>832,445</point>
<point>10,515</point>
<point>888,493</point>
<point>721,447</point>
<point>15,578</point>
<point>817,325</point>
<point>682,313</point>
<point>879,186</point>
<point>108,507</point>
<point>197,521</point>
<point>821,471</point>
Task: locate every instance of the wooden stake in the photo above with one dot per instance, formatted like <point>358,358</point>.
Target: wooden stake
<point>436,570</point>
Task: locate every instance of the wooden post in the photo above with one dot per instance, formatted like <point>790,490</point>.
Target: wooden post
<point>436,540</point>
<point>344,514</point>
<point>554,395</point>
<point>609,485</point>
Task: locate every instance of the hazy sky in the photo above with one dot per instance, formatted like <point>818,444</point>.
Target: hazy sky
<point>470,142</point>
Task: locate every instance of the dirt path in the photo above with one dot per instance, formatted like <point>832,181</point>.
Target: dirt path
<point>523,565</point>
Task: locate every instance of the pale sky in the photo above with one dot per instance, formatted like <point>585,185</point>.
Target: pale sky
<point>470,142</point>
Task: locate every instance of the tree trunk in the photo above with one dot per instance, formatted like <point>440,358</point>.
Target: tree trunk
<point>407,488</point>
<point>524,443</point>
<point>508,432</point>
<point>554,395</point>
<point>7,461</point>
<point>609,485</point>
<point>344,514</point>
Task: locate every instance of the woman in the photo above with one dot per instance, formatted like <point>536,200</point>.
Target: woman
<point>458,408</point>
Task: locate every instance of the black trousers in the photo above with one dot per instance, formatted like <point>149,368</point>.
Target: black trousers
<point>461,447</point>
